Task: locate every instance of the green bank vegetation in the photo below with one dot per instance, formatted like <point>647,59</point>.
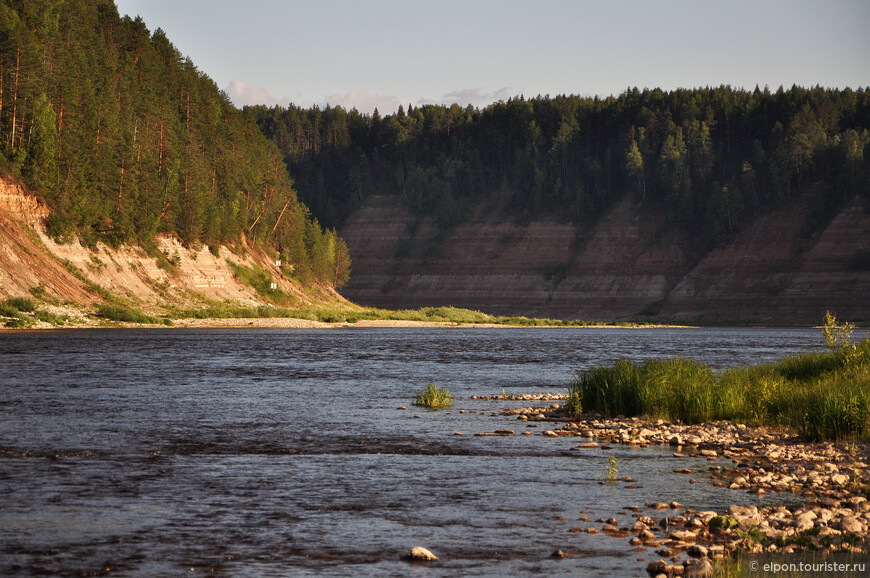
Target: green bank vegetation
<point>434,397</point>
<point>129,315</point>
<point>823,395</point>
<point>22,312</point>
<point>349,315</point>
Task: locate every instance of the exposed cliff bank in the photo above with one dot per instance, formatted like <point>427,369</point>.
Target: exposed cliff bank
<point>172,275</point>
<point>627,265</point>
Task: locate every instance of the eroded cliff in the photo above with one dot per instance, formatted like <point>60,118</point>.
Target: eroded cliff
<point>31,263</point>
<point>626,266</point>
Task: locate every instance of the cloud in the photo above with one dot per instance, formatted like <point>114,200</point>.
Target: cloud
<point>365,102</point>
<point>243,94</point>
<point>473,96</point>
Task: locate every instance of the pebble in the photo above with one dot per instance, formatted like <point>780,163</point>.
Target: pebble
<point>826,476</point>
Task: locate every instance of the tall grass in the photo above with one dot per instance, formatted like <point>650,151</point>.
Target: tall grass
<point>434,397</point>
<point>825,396</point>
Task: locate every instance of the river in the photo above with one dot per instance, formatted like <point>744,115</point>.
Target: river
<point>284,452</point>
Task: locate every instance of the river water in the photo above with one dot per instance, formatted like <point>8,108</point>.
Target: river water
<point>283,452</point>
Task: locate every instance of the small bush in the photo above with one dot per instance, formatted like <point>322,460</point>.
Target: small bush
<point>434,397</point>
<point>574,404</point>
<point>7,310</point>
<point>23,304</point>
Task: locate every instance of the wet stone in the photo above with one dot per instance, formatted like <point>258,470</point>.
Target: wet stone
<point>421,554</point>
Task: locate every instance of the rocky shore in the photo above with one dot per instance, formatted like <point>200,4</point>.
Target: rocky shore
<point>829,482</point>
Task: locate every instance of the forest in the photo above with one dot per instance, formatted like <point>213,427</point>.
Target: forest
<point>124,139</point>
<point>710,158</point>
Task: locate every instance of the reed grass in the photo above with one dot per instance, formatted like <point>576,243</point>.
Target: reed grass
<point>824,396</point>
<point>434,397</point>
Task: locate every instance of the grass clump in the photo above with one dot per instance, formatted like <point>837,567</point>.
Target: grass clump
<point>824,396</point>
<point>128,315</point>
<point>434,397</point>
<point>675,389</point>
<point>612,469</point>
<point>261,281</point>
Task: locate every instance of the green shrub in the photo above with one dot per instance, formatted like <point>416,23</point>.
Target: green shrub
<point>574,404</point>
<point>7,310</point>
<point>23,304</point>
<point>434,397</point>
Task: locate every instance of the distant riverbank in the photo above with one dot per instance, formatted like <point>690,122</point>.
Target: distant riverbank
<point>25,313</point>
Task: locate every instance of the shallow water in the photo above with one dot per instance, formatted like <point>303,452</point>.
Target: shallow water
<point>276,452</point>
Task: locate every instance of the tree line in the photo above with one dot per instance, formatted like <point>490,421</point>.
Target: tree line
<point>711,158</point>
<point>125,138</point>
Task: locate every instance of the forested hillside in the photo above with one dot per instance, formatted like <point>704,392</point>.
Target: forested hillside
<point>712,158</point>
<point>125,139</point>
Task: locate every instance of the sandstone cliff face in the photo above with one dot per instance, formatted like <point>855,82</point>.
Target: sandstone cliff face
<point>24,263</point>
<point>30,260</point>
<point>626,266</point>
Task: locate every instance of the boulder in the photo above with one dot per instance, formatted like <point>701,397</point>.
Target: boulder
<point>698,568</point>
<point>851,525</point>
<point>421,554</point>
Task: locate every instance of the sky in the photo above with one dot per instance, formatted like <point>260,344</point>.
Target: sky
<point>382,53</point>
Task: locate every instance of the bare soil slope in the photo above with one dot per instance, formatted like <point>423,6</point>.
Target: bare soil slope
<point>31,262</point>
